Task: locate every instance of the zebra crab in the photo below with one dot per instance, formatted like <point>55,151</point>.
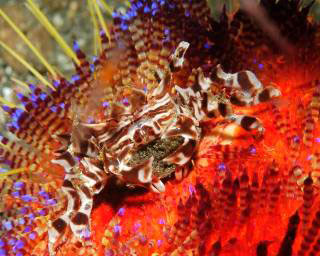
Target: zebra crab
<point>93,152</point>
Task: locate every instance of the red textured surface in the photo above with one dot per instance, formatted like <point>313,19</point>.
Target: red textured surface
<point>145,218</point>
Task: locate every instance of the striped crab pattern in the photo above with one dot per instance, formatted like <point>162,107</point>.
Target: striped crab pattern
<point>179,97</point>
<point>99,150</point>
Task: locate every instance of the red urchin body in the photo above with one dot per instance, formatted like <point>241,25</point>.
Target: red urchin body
<point>243,197</point>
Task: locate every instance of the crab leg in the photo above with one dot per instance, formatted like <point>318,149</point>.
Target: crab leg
<point>141,174</point>
<point>247,89</point>
<point>186,128</point>
<point>225,110</point>
<point>79,201</point>
<point>250,91</point>
<point>78,189</point>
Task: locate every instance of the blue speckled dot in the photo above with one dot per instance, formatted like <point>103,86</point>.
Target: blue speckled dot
<point>146,9</point>
<point>6,108</point>
<point>20,96</point>
<point>32,87</point>
<point>20,244</point>
<point>92,68</point>
<point>222,167</point>
<point>117,228</point>
<point>121,211</point>
<point>53,109</point>
<point>31,216</point>
<point>8,225</point>
<point>3,252</point>
<point>27,229</point>
<point>76,46</point>
<point>136,226</point>
<point>15,194</point>
<point>296,139</point>
<point>124,26</point>
<point>42,212</point>
<point>32,235</point>
<point>75,78</point>
<point>105,104</point>
<point>56,83</point>
<point>191,189</point>
<point>18,185</point>
<point>26,198</point>
<point>154,5</point>
<point>24,210</point>
<point>252,150</point>
<point>44,194</point>
<point>162,221</point>
<point>12,241</point>
<point>139,4</point>
<point>51,202</point>
<point>43,96</point>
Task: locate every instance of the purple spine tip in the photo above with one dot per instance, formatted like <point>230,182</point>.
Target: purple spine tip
<point>6,108</point>
<point>76,46</point>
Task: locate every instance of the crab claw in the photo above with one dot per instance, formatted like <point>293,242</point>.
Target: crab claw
<point>138,174</point>
<point>141,174</point>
